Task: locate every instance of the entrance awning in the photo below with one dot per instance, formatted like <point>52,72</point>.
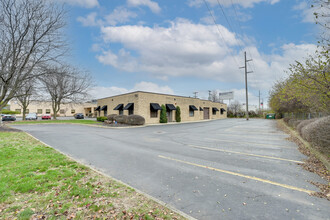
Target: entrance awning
<point>215,109</point>
<point>119,107</point>
<point>104,108</point>
<point>192,107</point>
<point>201,109</point>
<point>98,108</point>
<point>155,106</point>
<point>223,110</point>
<point>129,106</point>
<point>170,107</point>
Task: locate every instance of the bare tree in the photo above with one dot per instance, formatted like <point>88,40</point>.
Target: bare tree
<point>214,96</point>
<point>322,17</point>
<point>65,84</point>
<point>30,36</point>
<point>235,107</point>
<point>25,94</point>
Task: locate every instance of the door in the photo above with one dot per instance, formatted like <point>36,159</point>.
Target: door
<point>169,116</point>
<point>206,113</point>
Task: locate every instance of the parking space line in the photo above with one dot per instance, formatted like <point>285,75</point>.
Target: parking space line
<point>247,154</point>
<point>241,175</point>
<point>247,142</point>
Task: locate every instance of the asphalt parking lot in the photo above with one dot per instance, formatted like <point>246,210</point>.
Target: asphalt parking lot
<point>223,169</point>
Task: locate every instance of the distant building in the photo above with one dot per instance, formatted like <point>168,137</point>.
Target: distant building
<point>148,105</point>
<point>45,107</point>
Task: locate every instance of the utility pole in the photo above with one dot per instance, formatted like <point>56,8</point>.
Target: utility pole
<point>259,101</point>
<point>246,87</point>
<point>195,94</point>
<point>209,94</point>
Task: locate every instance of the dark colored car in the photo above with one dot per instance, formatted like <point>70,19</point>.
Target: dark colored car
<point>8,118</point>
<point>79,116</point>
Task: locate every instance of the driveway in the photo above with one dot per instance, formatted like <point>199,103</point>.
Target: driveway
<point>223,169</point>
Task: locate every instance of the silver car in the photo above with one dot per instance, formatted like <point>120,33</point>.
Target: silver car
<point>31,116</point>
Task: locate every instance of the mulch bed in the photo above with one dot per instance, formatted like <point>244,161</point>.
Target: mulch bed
<point>5,128</point>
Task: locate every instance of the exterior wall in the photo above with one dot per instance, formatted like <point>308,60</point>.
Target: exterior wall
<point>142,102</point>
<point>85,108</point>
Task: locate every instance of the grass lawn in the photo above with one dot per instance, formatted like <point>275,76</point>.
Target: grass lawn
<point>72,121</point>
<point>38,182</point>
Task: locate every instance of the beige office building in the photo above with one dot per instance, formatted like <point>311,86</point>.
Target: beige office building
<point>148,105</point>
<point>66,110</point>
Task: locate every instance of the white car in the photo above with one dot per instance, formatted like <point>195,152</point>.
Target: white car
<point>31,116</point>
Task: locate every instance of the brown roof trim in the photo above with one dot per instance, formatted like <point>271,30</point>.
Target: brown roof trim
<point>156,94</point>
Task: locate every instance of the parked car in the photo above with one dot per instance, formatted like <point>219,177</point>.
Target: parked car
<point>79,116</point>
<point>46,117</point>
<point>8,118</point>
<point>31,116</point>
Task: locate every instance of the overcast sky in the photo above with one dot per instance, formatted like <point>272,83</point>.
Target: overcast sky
<point>185,46</point>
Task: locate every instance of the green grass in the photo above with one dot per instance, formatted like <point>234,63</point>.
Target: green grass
<point>36,181</point>
<point>73,121</point>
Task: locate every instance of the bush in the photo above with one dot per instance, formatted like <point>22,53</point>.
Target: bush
<point>111,117</point>
<point>292,122</point>
<point>122,119</point>
<point>8,112</point>
<point>135,120</point>
<point>278,115</point>
<point>286,120</point>
<point>318,134</point>
<point>252,114</point>
<point>178,114</point>
<point>303,124</point>
<point>101,118</point>
<point>163,117</point>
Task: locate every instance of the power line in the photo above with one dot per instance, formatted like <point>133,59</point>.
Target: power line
<point>215,22</point>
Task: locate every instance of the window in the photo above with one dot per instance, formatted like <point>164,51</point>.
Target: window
<point>191,113</point>
<point>73,111</point>
<point>62,111</point>
<point>47,111</point>
<point>153,114</point>
<point>27,111</point>
<point>154,108</point>
<point>39,111</point>
<point>18,110</point>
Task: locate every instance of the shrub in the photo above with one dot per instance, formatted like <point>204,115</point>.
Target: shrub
<point>135,120</point>
<point>278,115</point>
<point>163,117</point>
<point>292,122</point>
<point>101,118</point>
<point>303,124</point>
<point>286,120</point>
<point>8,112</point>
<point>317,133</point>
<point>178,114</point>
<point>111,117</point>
<point>122,119</point>
<point>252,114</point>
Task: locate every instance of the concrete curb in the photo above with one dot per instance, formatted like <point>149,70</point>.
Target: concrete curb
<point>104,174</point>
<point>128,127</point>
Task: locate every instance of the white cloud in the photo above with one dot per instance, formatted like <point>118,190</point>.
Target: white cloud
<point>195,50</point>
<point>153,6</point>
<point>82,3</point>
<point>119,15</point>
<point>90,20</point>
<point>307,13</point>
<point>101,92</point>
<point>243,3</point>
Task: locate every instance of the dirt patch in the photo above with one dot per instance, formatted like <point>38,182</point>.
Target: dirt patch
<point>312,164</point>
<point>5,128</point>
